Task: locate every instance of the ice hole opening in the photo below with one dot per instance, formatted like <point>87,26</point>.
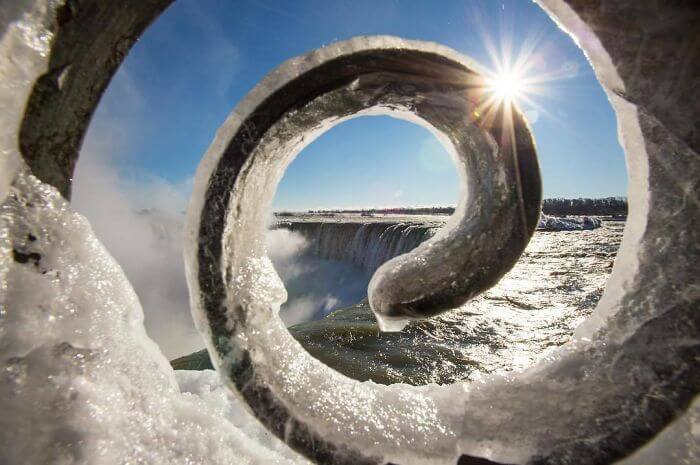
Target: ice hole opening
<point>363,192</point>
<point>326,249</point>
<point>519,361</point>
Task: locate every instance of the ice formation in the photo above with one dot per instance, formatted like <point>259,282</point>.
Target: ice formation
<point>574,223</point>
<point>81,383</point>
<point>523,418</point>
<point>426,83</point>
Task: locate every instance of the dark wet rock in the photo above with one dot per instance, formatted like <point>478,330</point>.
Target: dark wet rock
<point>26,257</point>
<point>199,360</point>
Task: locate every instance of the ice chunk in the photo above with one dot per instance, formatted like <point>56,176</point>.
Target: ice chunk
<point>80,381</point>
<point>574,223</point>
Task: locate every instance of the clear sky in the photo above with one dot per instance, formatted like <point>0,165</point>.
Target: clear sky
<point>194,64</point>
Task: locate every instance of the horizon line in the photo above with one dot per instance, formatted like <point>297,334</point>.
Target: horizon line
<point>409,207</point>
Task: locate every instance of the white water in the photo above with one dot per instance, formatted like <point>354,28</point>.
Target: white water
<point>575,223</point>
<point>366,245</point>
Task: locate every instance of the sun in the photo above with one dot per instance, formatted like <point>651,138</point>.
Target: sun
<point>506,86</point>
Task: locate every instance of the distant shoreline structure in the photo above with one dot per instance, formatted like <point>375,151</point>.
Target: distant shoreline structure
<point>607,206</point>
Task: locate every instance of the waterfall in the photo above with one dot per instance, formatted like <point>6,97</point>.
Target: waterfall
<point>365,245</point>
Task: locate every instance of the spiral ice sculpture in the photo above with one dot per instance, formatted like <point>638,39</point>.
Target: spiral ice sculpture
<point>423,82</point>
<point>631,371</point>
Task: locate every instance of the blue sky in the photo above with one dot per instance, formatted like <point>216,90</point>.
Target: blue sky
<point>194,64</point>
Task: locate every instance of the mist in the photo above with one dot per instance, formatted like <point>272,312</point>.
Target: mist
<point>140,221</point>
<point>315,286</point>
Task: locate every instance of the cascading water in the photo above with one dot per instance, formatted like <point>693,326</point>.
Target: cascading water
<point>369,243</point>
<point>366,245</point>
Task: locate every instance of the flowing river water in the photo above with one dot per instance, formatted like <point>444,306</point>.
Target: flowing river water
<point>556,283</point>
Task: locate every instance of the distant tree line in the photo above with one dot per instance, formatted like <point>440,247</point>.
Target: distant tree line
<point>607,206</point>
<point>394,210</point>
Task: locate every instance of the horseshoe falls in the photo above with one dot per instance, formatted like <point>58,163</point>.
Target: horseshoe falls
<point>368,242</point>
<point>360,242</point>
<point>535,307</point>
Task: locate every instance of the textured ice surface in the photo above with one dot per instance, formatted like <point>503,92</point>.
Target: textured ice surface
<point>24,47</point>
<point>592,400</point>
<point>80,381</point>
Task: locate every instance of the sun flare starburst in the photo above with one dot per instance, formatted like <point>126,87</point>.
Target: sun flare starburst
<point>501,92</point>
<point>507,86</point>
<point>518,72</point>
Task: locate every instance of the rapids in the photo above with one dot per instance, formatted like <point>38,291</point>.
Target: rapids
<point>556,283</point>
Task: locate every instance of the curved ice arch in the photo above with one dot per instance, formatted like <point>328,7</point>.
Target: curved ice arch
<point>80,381</point>
<point>567,407</point>
<point>640,347</point>
<point>423,82</point>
